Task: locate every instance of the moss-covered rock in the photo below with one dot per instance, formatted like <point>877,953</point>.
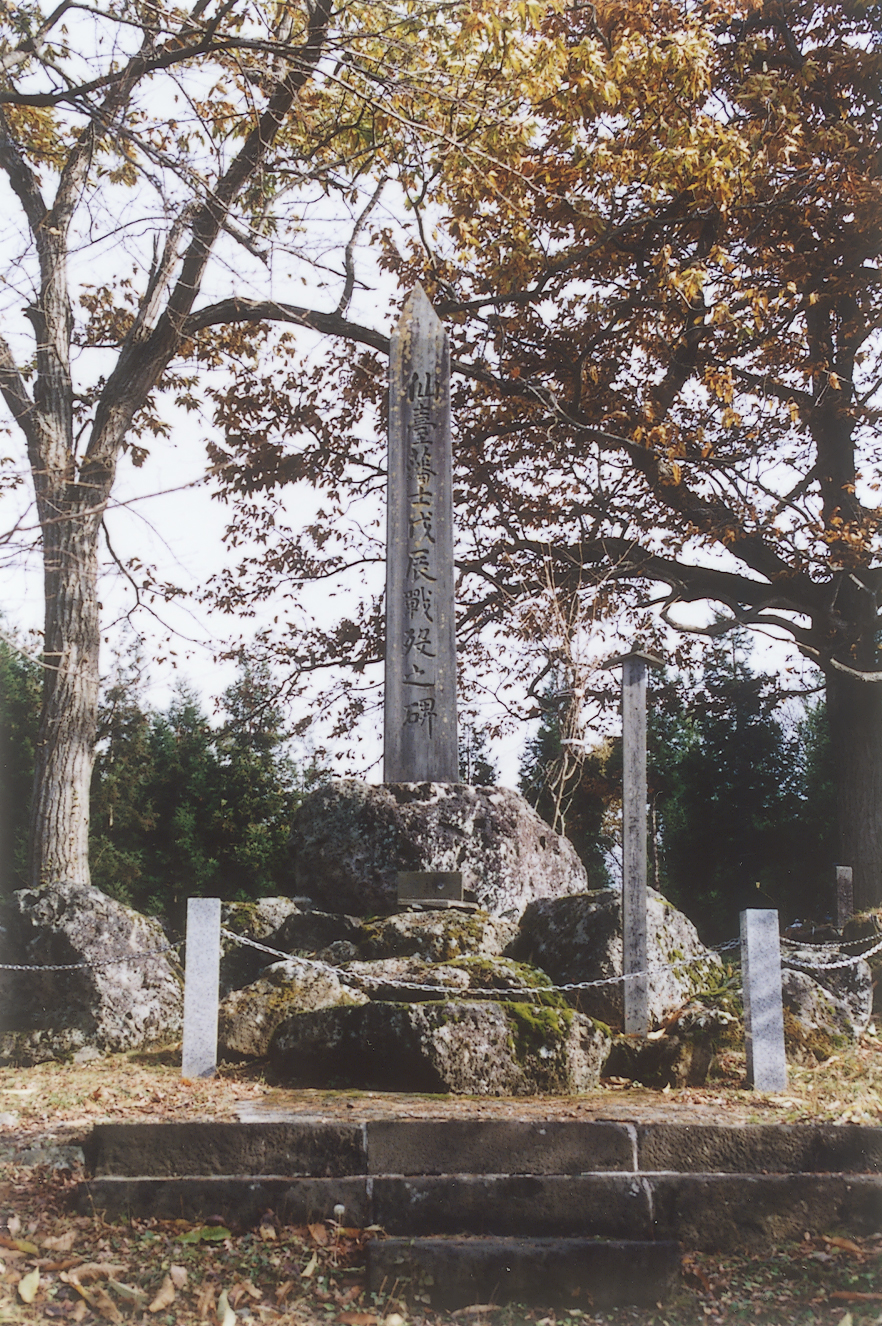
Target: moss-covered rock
<point>580,939</point>
<point>436,936</point>
<point>465,1047</point>
<point>248,1017</point>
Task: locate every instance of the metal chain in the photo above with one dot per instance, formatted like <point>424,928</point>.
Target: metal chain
<point>831,966</point>
<point>359,978</point>
<point>827,944</point>
<point>104,962</point>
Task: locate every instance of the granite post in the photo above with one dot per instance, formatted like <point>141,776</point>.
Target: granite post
<point>635,953</point>
<point>201,987</point>
<point>420,742</point>
<point>763,1004</point>
<point>844,895</point>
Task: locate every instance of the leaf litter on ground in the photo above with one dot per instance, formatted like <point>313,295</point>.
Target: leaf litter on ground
<point>78,1268</point>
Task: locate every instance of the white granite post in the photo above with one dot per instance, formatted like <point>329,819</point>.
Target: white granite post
<point>635,951</point>
<point>420,743</point>
<point>763,1006</point>
<point>201,987</point>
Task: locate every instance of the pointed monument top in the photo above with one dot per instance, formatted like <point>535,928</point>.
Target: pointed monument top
<point>418,308</point>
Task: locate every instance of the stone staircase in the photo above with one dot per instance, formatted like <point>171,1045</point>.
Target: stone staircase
<point>558,1212</point>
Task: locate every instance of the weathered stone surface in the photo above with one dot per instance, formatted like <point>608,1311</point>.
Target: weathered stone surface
<point>815,1022</point>
<point>383,979</point>
<point>849,988</point>
<point>455,1046</point>
<point>260,921</point>
<point>108,1006</point>
<point>580,939</point>
<point>349,840</point>
<point>436,936</point>
<point>681,1057</point>
<point>867,927</point>
<point>248,1017</point>
<point>455,1272</point>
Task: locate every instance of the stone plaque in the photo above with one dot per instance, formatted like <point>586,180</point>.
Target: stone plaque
<point>430,886</point>
<point>420,743</point>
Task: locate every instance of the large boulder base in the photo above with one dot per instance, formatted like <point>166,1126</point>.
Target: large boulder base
<point>846,992</point>
<point>816,1023</point>
<point>248,1018</point>
<point>118,1000</point>
<point>349,840</point>
<point>480,1049</point>
<point>580,939</point>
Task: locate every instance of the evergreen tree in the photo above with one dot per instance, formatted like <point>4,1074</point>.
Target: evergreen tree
<point>739,804</point>
<point>20,682</point>
<point>569,788</point>
<point>180,808</point>
<point>476,763</point>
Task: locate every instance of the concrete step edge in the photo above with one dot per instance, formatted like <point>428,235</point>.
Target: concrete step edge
<point>455,1272</point>
<point>412,1146</point>
<point>703,1211</point>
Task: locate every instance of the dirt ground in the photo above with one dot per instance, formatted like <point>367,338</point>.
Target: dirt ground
<point>57,1265</point>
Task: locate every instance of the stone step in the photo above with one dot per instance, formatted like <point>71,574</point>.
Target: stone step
<point>556,1273</point>
<point>702,1211</point>
<point>320,1148</point>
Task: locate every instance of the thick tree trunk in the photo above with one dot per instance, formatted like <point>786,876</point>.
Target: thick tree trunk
<point>855,714</point>
<point>59,824</point>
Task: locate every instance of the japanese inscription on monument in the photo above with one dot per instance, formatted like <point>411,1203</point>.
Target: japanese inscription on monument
<point>420,700</point>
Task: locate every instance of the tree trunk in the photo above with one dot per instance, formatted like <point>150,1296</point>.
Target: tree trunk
<point>854,709</point>
<point>59,824</point>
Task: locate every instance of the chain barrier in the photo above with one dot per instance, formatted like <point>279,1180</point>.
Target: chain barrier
<point>104,962</point>
<point>808,965</point>
<point>826,944</point>
<point>362,979</point>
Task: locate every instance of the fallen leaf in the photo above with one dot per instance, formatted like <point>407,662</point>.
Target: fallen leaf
<point>252,1291</point>
<point>63,1243</point>
<point>845,1244</point>
<point>86,1272</point>
<point>236,1294</point>
<point>267,1231</point>
<point>178,1276</point>
<point>206,1301</point>
<point>165,1296</point>
<point>13,1224</point>
<point>18,1245</point>
<point>358,1318</point>
<point>319,1234</point>
<point>283,1291</point>
<point>853,1296</point>
<point>206,1234</point>
<point>80,1310</point>
<point>28,1286</point>
<point>225,1314</point>
<point>309,1269</point>
<point>105,1304</point>
<point>128,1292</point>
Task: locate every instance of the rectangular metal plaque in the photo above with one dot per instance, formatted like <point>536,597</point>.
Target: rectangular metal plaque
<point>430,886</point>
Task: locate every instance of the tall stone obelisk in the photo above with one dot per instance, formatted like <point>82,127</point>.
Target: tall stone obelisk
<point>420,742</point>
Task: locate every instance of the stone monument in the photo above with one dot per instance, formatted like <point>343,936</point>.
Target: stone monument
<point>420,741</point>
<point>635,959</point>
